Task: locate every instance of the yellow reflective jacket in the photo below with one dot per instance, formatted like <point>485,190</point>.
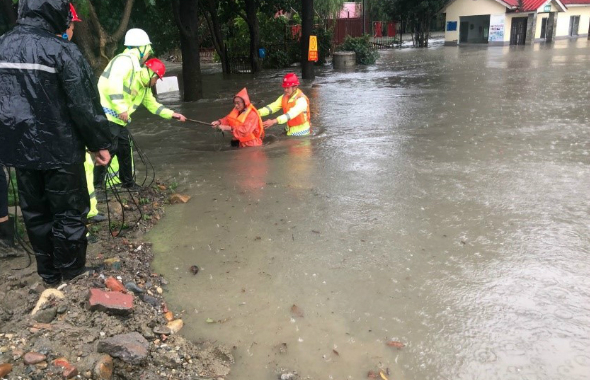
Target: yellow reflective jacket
<point>123,87</point>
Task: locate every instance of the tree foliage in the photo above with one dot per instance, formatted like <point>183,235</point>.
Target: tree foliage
<point>417,13</point>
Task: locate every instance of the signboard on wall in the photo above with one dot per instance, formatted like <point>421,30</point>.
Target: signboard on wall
<point>497,28</point>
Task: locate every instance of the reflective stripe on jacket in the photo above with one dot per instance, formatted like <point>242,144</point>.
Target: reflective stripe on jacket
<point>89,169</point>
<point>302,118</point>
<point>298,124</point>
<point>124,86</point>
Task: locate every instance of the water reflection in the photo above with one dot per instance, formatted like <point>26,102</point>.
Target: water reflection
<point>249,169</point>
<point>442,201</point>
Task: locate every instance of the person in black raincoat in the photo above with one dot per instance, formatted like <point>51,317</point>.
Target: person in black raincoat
<point>49,112</point>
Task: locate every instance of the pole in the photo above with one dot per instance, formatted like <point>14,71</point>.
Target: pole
<point>363,17</point>
<point>306,28</point>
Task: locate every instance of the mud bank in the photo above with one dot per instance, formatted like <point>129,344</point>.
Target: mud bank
<point>111,323</point>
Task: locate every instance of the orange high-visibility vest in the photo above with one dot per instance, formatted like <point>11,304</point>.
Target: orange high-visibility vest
<point>303,117</point>
<point>236,119</point>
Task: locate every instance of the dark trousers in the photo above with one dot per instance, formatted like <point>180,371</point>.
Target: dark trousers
<point>54,204</point>
<point>123,153</point>
<point>3,194</point>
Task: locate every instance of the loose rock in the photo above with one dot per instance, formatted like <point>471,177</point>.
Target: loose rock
<point>103,370</point>
<point>34,358</point>
<point>162,330</point>
<point>46,315</point>
<point>131,348</point>
<point>179,198</point>
<point>175,325</point>
<point>5,369</point>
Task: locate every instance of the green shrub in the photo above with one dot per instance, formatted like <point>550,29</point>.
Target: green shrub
<point>365,54</point>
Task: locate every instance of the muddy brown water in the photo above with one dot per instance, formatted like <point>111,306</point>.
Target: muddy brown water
<point>442,202</point>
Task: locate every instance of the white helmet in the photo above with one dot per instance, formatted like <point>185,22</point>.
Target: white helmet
<point>136,37</point>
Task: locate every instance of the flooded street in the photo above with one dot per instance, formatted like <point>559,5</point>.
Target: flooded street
<point>442,202</point>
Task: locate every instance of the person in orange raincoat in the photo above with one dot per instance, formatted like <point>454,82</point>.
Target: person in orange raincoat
<point>243,121</point>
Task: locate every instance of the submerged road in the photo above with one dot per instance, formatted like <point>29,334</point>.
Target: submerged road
<point>442,202</point>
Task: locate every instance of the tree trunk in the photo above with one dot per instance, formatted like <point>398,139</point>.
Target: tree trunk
<point>252,20</point>
<point>306,29</point>
<point>9,12</point>
<point>95,42</point>
<point>216,34</point>
<point>187,19</point>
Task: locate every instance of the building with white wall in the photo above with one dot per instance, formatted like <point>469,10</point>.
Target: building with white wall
<point>506,22</point>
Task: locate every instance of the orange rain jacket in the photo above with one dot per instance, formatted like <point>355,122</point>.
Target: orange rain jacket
<point>247,125</point>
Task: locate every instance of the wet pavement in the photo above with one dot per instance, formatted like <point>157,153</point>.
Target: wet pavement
<point>442,202</point>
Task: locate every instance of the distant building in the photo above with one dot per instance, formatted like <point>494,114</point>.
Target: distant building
<point>505,22</point>
<point>351,10</point>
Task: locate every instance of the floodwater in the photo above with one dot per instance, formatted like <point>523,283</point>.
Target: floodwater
<point>442,202</point>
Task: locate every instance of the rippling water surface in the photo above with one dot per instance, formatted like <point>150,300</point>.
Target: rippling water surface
<point>441,202</point>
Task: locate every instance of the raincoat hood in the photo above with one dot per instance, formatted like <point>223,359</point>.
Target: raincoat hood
<point>51,15</point>
<point>243,94</point>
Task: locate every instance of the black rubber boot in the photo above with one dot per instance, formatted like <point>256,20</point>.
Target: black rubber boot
<point>7,233</point>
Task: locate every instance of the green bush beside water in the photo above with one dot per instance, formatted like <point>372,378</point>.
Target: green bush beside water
<point>365,54</point>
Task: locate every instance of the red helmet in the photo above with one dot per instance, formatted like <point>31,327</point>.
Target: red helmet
<point>290,80</point>
<point>156,66</point>
<point>73,13</point>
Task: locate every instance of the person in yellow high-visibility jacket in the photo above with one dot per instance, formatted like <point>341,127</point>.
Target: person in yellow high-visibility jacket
<point>124,86</point>
<point>295,106</point>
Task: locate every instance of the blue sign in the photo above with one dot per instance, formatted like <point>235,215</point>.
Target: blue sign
<point>451,26</point>
<point>262,53</point>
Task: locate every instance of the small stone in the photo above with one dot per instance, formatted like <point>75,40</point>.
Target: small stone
<point>169,316</point>
<point>103,369</point>
<point>179,198</point>
<point>46,315</point>
<point>114,285</point>
<point>151,300</point>
<point>159,290</point>
<point>175,325</point>
<point>62,309</point>
<point>34,358</point>
<point>131,348</point>
<point>5,369</point>
<point>162,330</point>
<point>70,372</point>
<point>61,362</point>
<point>134,288</point>
<point>41,365</point>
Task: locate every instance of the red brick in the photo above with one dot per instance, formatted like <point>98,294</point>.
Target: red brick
<point>112,302</point>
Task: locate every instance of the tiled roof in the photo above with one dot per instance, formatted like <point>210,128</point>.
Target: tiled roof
<point>575,2</point>
<point>527,6</point>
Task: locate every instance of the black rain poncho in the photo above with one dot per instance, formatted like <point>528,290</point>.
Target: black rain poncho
<point>49,105</point>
